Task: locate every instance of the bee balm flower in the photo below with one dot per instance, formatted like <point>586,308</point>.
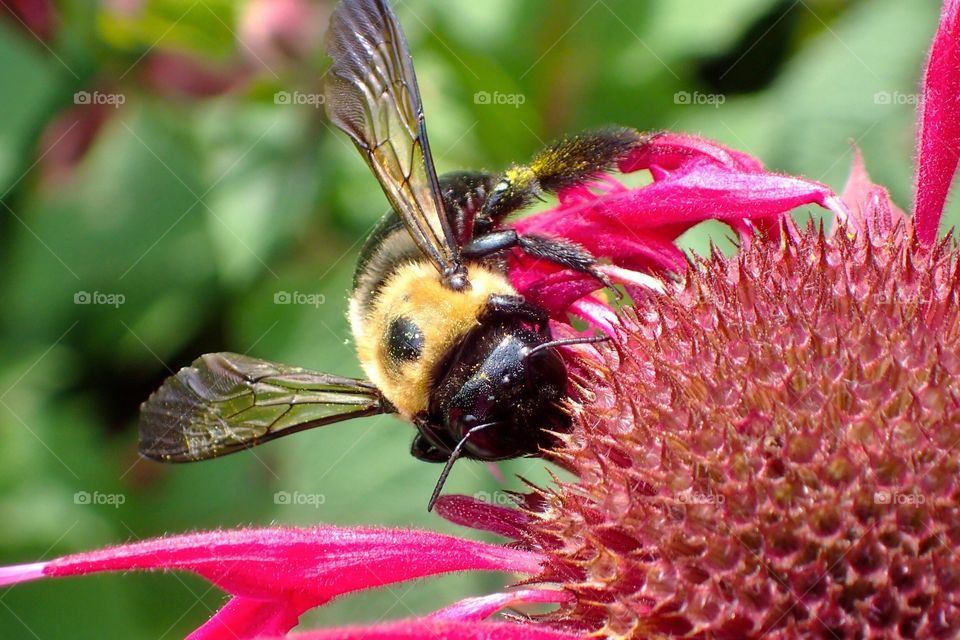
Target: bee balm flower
<point>277,574</point>
<point>766,448</point>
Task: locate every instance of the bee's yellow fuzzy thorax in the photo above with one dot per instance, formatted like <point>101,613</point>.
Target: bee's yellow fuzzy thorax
<point>415,291</point>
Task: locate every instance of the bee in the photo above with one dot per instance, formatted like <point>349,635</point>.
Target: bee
<point>446,342</point>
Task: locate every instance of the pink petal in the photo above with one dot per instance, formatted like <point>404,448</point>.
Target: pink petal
<point>939,137</point>
<point>427,629</point>
<point>869,204</point>
<point>698,191</point>
<point>482,515</point>
<point>325,561</point>
<point>21,573</point>
<point>668,151</point>
<point>476,609</point>
<point>280,573</point>
<point>598,314</point>
<point>636,228</point>
<point>249,618</point>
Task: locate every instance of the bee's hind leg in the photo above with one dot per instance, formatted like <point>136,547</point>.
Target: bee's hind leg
<point>567,162</point>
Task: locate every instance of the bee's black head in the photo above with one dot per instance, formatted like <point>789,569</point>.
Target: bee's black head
<point>496,375</point>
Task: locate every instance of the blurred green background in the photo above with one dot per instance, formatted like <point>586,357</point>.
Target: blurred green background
<point>165,173</point>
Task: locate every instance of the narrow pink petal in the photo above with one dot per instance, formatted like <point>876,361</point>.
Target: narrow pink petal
<point>555,292</point>
<point>636,228</point>
<point>939,136</point>
<point>597,314</point>
<point>633,278</point>
<point>668,151</point>
<point>697,192</point>
<point>280,573</point>
<point>21,573</point>
<point>476,609</point>
<point>428,629</point>
<point>858,185</point>
<point>869,203</point>
<point>249,618</point>
<point>316,564</point>
<point>482,515</point>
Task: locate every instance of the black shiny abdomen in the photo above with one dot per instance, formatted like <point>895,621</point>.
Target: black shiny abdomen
<point>492,377</point>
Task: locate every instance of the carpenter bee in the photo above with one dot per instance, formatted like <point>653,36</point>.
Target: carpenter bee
<point>445,340</point>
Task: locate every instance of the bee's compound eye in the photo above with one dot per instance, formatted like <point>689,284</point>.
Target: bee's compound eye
<point>404,340</point>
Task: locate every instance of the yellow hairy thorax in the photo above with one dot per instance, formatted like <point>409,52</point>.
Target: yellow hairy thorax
<point>415,291</point>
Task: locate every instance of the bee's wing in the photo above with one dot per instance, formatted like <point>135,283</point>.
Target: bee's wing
<point>225,402</point>
<point>371,93</point>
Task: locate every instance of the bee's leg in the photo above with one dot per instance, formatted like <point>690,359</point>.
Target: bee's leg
<point>564,163</point>
<point>423,449</point>
<point>562,252</point>
<point>566,254</point>
<point>464,193</point>
<point>489,244</point>
<point>517,307</point>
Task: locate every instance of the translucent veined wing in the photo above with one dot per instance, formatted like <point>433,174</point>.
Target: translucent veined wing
<point>371,93</point>
<point>225,402</point>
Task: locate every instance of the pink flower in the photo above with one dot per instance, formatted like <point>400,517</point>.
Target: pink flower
<point>636,229</point>
<point>741,448</point>
<point>275,575</point>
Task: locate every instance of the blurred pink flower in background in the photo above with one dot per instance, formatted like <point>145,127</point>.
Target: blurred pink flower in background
<point>281,32</point>
<point>38,17</point>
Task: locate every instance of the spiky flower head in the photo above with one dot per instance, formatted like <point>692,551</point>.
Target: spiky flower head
<point>773,450</point>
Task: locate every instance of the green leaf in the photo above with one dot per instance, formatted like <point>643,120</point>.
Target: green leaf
<point>30,83</point>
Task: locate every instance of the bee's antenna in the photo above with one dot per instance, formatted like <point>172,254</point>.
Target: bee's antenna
<point>454,455</point>
<point>566,341</point>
